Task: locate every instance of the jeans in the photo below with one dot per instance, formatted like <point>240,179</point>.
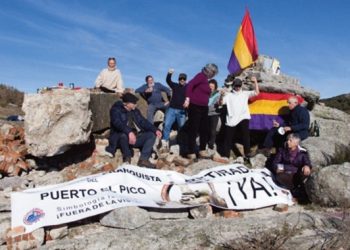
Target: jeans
<point>152,108</point>
<point>144,141</point>
<point>172,115</point>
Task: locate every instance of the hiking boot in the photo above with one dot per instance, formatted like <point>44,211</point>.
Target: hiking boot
<point>127,160</point>
<point>203,154</point>
<point>145,163</point>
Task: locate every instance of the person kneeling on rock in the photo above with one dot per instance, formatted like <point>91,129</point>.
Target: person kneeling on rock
<point>129,129</point>
<point>292,166</point>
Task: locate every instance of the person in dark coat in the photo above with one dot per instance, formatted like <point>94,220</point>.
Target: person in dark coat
<point>292,164</point>
<point>129,129</point>
<point>176,111</point>
<point>298,122</point>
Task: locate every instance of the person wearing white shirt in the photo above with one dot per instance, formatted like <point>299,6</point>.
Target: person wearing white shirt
<point>238,116</point>
<point>110,79</point>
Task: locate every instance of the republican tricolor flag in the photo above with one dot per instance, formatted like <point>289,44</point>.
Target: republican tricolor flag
<point>266,107</point>
<point>245,48</point>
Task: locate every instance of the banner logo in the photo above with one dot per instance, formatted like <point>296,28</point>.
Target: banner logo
<point>33,216</point>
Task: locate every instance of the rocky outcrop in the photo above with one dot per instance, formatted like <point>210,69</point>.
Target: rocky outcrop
<point>56,120</point>
<point>334,140</point>
<point>265,230</point>
<point>277,82</point>
<point>330,186</point>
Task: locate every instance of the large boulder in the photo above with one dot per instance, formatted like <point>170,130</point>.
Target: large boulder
<point>334,141</point>
<point>55,120</point>
<point>100,105</point>
<point>330,186</point>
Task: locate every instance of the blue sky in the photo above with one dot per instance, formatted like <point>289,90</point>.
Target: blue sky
<point>43,42</point>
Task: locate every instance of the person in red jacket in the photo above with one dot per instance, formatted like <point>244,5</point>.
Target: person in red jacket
<point>197,97</point>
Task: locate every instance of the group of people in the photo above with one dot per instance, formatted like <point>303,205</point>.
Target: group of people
<point>198,105</point>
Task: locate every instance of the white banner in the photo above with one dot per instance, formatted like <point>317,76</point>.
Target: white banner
<point>230,186</point>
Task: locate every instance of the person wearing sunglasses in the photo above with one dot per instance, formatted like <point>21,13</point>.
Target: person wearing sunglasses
<point>238,116</point>
<point>110,79</point>
<point>176,111</point>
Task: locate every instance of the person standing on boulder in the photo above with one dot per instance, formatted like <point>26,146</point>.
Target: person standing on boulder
<point>152,92</point>
<point>110,79</point>
<point>176,111</point>
<point>213,113</point>
<point>238,116</point>
<point>129,129</point>
<point>197,98</point>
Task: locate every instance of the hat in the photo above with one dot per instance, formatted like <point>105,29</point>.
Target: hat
<point>128,97</point>
<point>237,82</point>
<point>182,75</point>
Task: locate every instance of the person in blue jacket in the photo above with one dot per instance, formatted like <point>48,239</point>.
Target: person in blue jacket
<point>297,122</point>
<point>129,129</point>
<point>152,92</point>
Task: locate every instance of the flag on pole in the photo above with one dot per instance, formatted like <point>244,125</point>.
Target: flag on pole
<point>245,48</point>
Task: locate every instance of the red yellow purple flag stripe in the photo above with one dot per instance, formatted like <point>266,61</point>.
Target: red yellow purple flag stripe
<point>245,48</point>
<point>266,107</point>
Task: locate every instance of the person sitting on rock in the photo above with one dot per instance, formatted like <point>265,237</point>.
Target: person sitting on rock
<point>292,165</point>
<point>297,122</point>
<point>110,79</point>
<point>152,92</point>
<point>129,129</point>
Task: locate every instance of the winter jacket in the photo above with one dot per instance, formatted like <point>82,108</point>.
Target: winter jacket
<point>292,166</point>
<point>299,121</point>
<point>179,92</point>
<point>198,90</point>
<point>119,119</point>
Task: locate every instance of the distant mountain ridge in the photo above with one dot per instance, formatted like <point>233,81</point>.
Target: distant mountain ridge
<point>341,102</point>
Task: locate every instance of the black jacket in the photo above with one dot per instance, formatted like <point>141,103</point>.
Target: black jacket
<point>119,119</point>
<point>179,93</point>
<point>299,121</point>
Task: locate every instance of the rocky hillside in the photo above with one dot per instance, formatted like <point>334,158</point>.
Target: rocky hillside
<point>341,102</point>
<point>11,101</point>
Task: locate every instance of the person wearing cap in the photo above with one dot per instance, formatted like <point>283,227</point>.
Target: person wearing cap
<point>197,98</point>
<point>129,129</point>
<point>110,79</point>
<point>297,121</point>
<point>176,111</point>
<point>152,92</point>
<point>238,116</point>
